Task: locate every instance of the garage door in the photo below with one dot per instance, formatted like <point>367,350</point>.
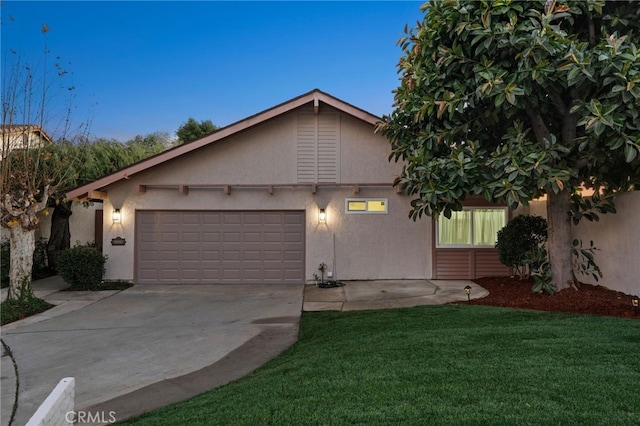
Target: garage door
<point>219,247</point>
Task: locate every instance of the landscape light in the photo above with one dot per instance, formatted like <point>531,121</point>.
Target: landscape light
<point>635,301</point>
<point>467,290</point>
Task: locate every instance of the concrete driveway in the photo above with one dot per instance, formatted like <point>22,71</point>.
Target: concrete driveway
<point>124,348</point>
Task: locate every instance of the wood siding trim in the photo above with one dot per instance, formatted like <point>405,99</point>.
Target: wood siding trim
<point>467,263</point>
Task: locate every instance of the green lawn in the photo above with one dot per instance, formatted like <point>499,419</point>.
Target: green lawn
<point>435,365</point>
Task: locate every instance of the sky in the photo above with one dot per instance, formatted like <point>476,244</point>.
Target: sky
<point>142,67</point>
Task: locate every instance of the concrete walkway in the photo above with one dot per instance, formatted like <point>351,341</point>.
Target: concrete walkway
<point>133,362</point>
<point>386,294</point>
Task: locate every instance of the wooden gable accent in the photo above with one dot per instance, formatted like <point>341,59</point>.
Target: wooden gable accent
<point>318,146</point>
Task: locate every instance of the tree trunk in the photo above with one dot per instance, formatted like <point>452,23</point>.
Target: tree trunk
<point>23,244</point>
<point>559,241</point>
<point>60,238</point>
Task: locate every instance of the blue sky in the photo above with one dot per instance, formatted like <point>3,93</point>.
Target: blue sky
<point>146,66</point>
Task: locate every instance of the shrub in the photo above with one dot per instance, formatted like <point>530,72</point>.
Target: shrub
<point>82,267</point>
<point>518,243</point>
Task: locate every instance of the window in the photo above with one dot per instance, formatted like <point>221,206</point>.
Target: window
<point>471,227</point>
<point>366,205</point>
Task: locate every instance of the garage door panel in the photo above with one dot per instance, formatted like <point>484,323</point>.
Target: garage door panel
<point>272,274</point>
<point>210,218</point>
<point>210,255</point>
<point>272,237</point>
<point>219,247</point>
<point>291,274</point>
<point>148,237</point>
<point>211,274</point>
<point>169,255</point>
<point>292,237</point>
<point>210,237</point>
<point>191,246</point>
<point>190,255</point>
<point>149,256</point>
<point>253,218</point>
<point>190,236</point>
<point>190,274</point>
<point>252,255</point>
<point>293,219</point>
<point>231,274</point>
<point>191,219</point>
<point>148,274</point>
<point>231,218</point>
<point>252,237</point>
<point>273,255</point>
<point>169,218</point>
<point>170,237</point>
<point>231,237</point>
<point>273,218</point>
<point>169,274</point>
<point>292,255</point>
<point>252,274</point>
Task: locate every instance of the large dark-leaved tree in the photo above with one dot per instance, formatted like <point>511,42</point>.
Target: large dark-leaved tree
<point>514,100</point>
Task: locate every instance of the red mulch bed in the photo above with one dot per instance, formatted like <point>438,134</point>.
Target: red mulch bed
<point>588,299</point>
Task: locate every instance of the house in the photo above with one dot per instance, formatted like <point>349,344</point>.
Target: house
<point>271,197</point>
<point>19,136</point>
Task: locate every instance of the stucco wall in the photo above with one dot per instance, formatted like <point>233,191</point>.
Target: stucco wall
<point>617,236</point>
<point>365,246</point>
<point>81,224</point>
<point>357,138</point>
<point>354,246</point>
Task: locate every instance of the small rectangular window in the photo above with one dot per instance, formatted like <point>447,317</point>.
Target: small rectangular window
<point>366,205</point>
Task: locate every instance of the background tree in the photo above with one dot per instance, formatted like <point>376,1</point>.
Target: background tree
<point>89,160</point>
<point>30,169</point>
<point>513,100</point>
<point>192,130</point>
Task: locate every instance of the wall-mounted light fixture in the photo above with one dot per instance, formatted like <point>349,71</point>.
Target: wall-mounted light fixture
<point>635,301</point>
<point>116,216</point>
<point>322,216</point>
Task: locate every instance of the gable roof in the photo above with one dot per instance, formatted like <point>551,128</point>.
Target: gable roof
<point>17,130</point>
<point>315,96</point>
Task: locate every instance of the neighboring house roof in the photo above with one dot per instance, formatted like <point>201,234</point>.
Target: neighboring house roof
<point>19,135</point>
<point>315,96</point>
